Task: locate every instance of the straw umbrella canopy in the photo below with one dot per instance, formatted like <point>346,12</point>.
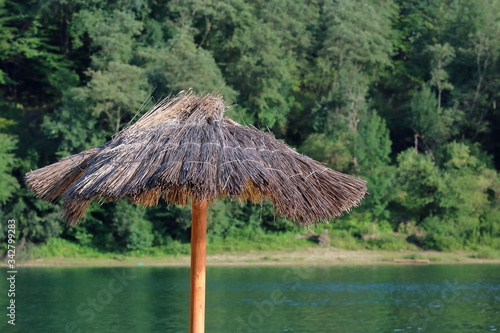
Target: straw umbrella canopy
<point>185,148</point>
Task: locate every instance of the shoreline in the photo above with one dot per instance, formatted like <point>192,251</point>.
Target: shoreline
<point>316,257</point>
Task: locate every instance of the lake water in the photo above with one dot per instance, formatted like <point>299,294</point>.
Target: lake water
<point>382,298</point>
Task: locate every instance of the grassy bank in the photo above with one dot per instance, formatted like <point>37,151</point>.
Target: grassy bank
<point>261,249</point>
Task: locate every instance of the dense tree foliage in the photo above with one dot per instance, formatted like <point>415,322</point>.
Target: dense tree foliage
<point>400,93</point>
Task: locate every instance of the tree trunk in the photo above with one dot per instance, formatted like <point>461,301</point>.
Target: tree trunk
<point>198,266</point>
<point>416,143</point>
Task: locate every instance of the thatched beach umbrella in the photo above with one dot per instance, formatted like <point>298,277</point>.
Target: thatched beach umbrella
<point>185,148</point>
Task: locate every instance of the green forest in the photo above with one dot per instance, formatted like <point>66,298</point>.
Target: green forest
<point>399,93</point>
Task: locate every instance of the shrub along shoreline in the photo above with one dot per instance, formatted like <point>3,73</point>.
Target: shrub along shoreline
<point>263,249</point>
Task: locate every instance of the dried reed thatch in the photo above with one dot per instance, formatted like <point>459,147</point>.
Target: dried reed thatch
<point>184,147</point>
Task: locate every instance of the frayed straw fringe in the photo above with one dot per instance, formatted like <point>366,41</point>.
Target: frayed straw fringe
<point>185,148</point>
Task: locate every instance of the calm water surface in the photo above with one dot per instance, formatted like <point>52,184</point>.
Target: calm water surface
<point>392,298</point>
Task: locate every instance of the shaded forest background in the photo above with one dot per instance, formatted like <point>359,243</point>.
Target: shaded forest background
<point>400,93</point>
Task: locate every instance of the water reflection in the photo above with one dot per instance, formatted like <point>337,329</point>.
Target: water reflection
<point>433,298</point>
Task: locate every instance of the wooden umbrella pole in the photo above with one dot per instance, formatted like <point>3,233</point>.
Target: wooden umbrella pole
<point>198,265</point>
